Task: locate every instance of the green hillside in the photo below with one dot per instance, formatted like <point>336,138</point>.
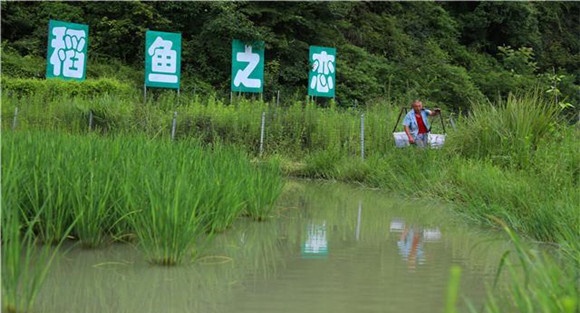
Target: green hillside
<point>449,53</point>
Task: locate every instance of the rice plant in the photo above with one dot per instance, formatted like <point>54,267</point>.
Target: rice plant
<point>25,262</point>
<point>92,186</point>
<point>263,185</point>
<point>43,190</point>
<point>176,206</point>
<point>258,250</point>
<point>169,195</point>
<point>223,180</point>
<point>514,160</point>
<point>163,206</point>
<point>453,289</point>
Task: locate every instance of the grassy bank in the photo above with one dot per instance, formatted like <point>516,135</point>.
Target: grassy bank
<point>516,160</point>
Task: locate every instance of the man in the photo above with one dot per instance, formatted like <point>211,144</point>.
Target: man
<point>416,124</point>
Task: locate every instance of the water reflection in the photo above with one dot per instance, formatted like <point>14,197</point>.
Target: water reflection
<point>411,246</point>
<point>332,248</point>
<point>411,241</point>
<point>358,220</point>
<point>432,234</point>
<point>316,244</point>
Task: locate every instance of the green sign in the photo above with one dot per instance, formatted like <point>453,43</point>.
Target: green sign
<point>247,66</point>
<point>67,50</point>
<point>322,76</point>
<point>162,59</point>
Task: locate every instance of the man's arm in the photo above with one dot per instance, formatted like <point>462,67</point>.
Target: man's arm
<point>408,132</point>
<point>436,111</point>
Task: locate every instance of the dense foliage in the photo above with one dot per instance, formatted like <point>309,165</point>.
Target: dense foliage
<point>450,53</point>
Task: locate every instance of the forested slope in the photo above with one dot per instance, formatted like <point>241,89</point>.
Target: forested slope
<point>449,53</point>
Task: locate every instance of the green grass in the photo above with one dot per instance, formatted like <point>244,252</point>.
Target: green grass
<point>507,132</point>
<point>520,145</point>
<point>295,129</point>
<point>537,282</point>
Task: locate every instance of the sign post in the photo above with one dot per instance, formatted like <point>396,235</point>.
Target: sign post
<point>163,64</point>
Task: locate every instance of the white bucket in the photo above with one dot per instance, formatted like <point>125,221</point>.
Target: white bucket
<point>401,139</point>
<point>397,225</point>
<point>436,140</point>
<point>431,234</point>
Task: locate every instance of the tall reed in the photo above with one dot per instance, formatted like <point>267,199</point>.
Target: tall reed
<point>507,132</point>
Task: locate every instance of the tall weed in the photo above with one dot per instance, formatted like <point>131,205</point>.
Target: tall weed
<point>507,132</point>
<point>537,281</point>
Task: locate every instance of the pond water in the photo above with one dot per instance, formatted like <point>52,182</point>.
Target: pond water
<point>329,248</point>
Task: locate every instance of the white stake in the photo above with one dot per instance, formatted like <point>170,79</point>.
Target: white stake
<point>174,125</point>
<point>262,133</point>
<point>362,136</point>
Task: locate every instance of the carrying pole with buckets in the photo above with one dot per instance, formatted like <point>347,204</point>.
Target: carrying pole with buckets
<point>434,140</point>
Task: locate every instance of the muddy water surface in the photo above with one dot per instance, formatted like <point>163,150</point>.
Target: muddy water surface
<point>329,248</point>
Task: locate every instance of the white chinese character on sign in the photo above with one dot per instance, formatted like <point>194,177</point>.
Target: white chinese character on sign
<point>324,67</point>
<point>243,76</point>
<point>67,57</point>
<point>163,61</point>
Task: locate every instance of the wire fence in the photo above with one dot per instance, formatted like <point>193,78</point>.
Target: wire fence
<point>263,128</point>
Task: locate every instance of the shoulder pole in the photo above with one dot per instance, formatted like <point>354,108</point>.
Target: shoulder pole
<point>398,119</point>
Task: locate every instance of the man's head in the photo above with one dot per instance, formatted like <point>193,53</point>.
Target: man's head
<point>417,106</point>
